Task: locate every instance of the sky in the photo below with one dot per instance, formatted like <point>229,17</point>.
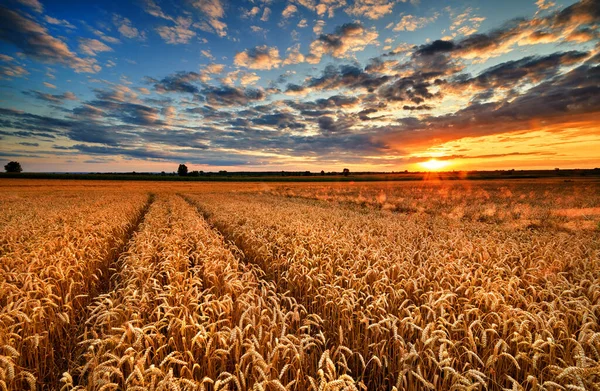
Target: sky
<point>295,85</point>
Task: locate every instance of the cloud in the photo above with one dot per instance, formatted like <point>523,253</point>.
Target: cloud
<point>560,26</point>
<point>178,34</point>
<point>125,27</point>
<point>250,13</point>
<point>92,46</point>
<point>58,22</point>
<point>35,42</point>
<point>544,4</point>
<point>347,38</point>
<point>213,11</point>
<point>209,70</point>
<point>345,76</point>
<point>325,7</point>
<point>260,57</point>
<point>245,78</point>
<point>11,70</point>
<point>49,85</point>
<point>573,97</point>
<point>105,37</point>
<point>207,54</point>
<point>231,96</point>
<point>372,9</point>
<point>249,78</point>
<point>178,82</point>
<point>258,30</point>
<point>266,14</point>
<point>530,69</point>
<point>294,56</point>
<point>412,23</point>
<point>289,10</point>
<point>154,9</point>
<point>33,4</point>
<point>302,24</point>
<point>56,98</point>
<point>465,23</point>
<point>413,89</point>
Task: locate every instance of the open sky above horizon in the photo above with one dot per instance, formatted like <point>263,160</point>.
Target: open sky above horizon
<point>269,85</point>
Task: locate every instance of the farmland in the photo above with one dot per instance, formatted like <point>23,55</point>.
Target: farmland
<point>421,285</point>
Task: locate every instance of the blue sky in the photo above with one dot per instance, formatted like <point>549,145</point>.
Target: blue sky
<point>298,85</point>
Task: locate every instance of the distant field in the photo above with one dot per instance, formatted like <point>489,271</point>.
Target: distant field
<point>420,285</point>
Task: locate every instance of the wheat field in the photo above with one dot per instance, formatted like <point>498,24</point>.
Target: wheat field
<point>429,285</point>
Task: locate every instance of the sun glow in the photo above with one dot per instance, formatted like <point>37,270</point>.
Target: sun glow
<point>434,164</point>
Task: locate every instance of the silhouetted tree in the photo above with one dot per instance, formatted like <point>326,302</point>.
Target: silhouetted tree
<point>346,172</point>
<point>13,167</point>
<point>322,172</point>
<point>182,170</point>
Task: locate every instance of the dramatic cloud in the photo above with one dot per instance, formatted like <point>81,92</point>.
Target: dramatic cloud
<point>295,83</point>
<point>36,43</point>
<point>260,57</point>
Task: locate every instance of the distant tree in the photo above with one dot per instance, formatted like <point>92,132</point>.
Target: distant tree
<point>322,172</point>
<point>346,172</point>
<point>13,167</point>
<point>194,173</point>
<point>182,170</point>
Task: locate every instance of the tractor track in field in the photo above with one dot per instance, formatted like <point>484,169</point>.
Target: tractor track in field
<point>66,359</point>
<point>281,287</point>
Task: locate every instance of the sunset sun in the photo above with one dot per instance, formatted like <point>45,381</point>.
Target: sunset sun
<point>434,164</point>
